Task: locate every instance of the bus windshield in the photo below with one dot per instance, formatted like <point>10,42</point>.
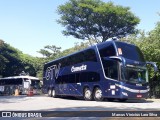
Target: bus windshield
<point>135,75</point>
<point>33,83</point>
<point>129,51</point>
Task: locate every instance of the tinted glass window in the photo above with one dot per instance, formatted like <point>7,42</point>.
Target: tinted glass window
<point>71,78</point>
<point>84,56</point>
<point>129,51</point>
<point>17,81</point>
<point>111,69</point>
<point>65,79</point>
<point>84,77</point>
<point>93,77</point>
<point>59,80</point>
<point>78,77</point>
<point>107,50</point>
<point>135,75</point>
<point>90,55</point>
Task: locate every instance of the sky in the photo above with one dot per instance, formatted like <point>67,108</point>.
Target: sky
<point>29,25</point>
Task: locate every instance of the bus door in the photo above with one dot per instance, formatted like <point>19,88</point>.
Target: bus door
<point>77,88</point>
<point>61,85</point>
<point>74,85</point>
<point>26,86</point>
<point>111,70</point>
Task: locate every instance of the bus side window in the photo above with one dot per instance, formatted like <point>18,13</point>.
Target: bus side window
<point>84,77</point>
<point>77,77</point>
<point>90,55</point>
<point>71,78</point>
<point>59,80</point>
<point>111,69</point>
<point>93,77</point>
<point>65,79</point>
<point>108,51</point>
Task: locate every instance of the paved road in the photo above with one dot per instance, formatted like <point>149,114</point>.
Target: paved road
<point>67,104</point>
<point>44,103</point>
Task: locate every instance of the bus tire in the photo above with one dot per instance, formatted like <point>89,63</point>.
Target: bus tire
<point>53,93</point>
<point>49,93</point>
<point>98,94</point>
<point>87,94</point>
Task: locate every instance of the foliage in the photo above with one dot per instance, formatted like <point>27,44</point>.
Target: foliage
<point>77,47</point>
<point>50,51</point>
<point>11,63</point>
<point>96,20</point>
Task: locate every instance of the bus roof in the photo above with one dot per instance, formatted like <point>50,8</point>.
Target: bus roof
<point>71,54</point>
<point>90,47</point>
<point>16,77</point>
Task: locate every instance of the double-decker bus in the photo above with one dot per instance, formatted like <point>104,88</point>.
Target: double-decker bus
<point>112,70</point>
<point>22,83</point>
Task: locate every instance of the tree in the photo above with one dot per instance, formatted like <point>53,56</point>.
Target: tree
<point>13,61</point>
<point>50,51</point>
<point>9,61</point>
<point>96,20</point>
<point>3,60</point>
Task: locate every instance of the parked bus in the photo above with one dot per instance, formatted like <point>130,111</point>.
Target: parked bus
<point>22,83</point>
<point>112,70</point>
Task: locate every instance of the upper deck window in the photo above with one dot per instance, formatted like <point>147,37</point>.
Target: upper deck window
<point>107,50</point>
<point>129,51</point>
<point>110,67</point>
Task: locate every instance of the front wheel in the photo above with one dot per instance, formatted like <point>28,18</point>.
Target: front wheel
<point>87,94</point>
<point>53,93</point>
<point>98,94</point>
<point>49,93</point>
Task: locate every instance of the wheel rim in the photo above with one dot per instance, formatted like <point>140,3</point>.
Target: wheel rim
<point>98,94</point>
<point>53,93</point>
<point>49,92</point>
<point>88,94</point>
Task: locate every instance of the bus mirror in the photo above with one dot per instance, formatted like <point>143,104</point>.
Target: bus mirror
<point>117,58</point>
<point>154,65</point>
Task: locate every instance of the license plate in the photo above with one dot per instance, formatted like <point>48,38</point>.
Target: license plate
<point>139,96</point>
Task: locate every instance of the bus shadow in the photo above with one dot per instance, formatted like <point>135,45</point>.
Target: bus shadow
<point>87,109</point>
<point>105,100</point>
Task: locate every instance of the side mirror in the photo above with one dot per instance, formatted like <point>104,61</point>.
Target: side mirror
<point>117,58</point>
<point>154,65</point>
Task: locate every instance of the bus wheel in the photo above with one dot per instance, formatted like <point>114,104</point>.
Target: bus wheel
<point>98,94</point>
<point>53,93</point>
<point>49,93</point>
<point>87,94</point>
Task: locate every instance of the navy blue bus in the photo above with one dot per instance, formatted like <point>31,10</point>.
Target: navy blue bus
<point>112,70</point>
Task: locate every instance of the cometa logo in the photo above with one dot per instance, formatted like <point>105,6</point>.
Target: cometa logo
<point>80,68</point>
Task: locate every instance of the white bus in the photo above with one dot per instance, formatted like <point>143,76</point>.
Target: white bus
<point>22,83</point>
